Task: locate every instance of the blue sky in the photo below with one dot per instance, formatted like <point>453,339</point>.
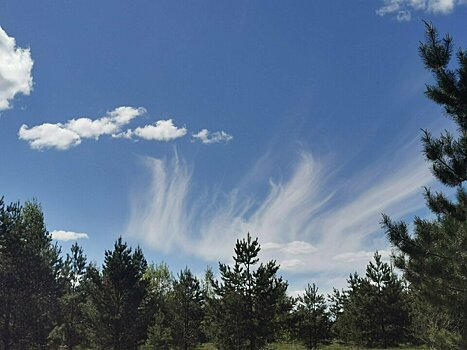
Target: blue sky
<point>182,125</point>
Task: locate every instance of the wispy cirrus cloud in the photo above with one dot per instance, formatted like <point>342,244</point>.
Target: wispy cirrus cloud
<point>64,136</point>
<point>308,222</point>
<point>402,9</point>
<point>15,70</point>
<point>61,235</point>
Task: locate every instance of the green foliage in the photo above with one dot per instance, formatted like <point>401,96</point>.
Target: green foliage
<point>160,287</point>
<point>312,318</point>
<point>30,284</point>
<point>209,306</point>
<point>373,311</point>
<point>72,329</point>
<point>118,297</point>
<point>248,299</point>
<point>187,310</point>
<point>434,256</point>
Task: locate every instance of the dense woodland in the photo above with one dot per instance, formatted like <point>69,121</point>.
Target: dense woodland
<point>51,299</point>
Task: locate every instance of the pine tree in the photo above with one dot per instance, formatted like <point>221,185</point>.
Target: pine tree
<point>72,330</point>
<point>347,307</point>
<point>187,310</point>
<point>118,294</point>
<point>386,305</point>
<point>208,324</point>
<point>30,283</point>
<point>434,257</point>
<point>160,290</point>
<point>373,311</point>
<point>312,317</point>
<point>248,299</point>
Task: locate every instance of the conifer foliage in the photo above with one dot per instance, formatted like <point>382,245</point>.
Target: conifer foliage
<point>373,311</point>
<point>248,299</point>
<point>434,256</point>
<point>313,324</point>
<point>118,296</point>
<point>72,329</point>
<point>30,283</point>
<point>187,310</point>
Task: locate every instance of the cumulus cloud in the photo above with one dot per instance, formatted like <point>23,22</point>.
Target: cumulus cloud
<point>308,222</point>
<point>49,136</point>
<point>60,235</point>
<point>402,9</point>
<point>163,130</point>
<point>207,137</point>
<point>64,136</point>
<point>106,125</point>
<point>15,70</point>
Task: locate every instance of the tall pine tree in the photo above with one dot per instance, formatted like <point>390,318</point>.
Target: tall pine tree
<point>187,309</point>
<point>160,287</point>
<point>312,317</point>
<point>434,256</point>
<point>72,330</point>
<point>248,299</point>
<point>30,281</point>
<point>373,310</point>
<point>119,316</point>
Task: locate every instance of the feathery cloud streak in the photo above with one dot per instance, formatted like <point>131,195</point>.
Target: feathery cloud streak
<point>15,70</point>
<point>300,222</point>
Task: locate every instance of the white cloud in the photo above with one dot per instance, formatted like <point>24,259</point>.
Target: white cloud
<point>61,235</point>
<point>15,70</point>
<point>402,9</point>
<point>107,125</point>
<point>293,248</point>
<point>307,222</point>
<point>163,130</point>
<point>360,256</point>
<point>404,16</point>
<point>128,134</point>
<point>64,136</point>
<point>207,137</point>
<point>49,136</point>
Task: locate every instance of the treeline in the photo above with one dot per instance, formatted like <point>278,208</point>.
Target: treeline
<point>51,301</point>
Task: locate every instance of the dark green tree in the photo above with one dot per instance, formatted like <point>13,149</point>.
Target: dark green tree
<point>386,305</point>
<point>30,282</point>
<point>209,306</point>
<point>160,287</point>
<point>187,310</point>
<point>347,307</point>
<point>312,317</point>
<point>119,315</point>
<point>434,256</point>
<point>72,330</point>
<point>248,299</point>
<point>373,311</point>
